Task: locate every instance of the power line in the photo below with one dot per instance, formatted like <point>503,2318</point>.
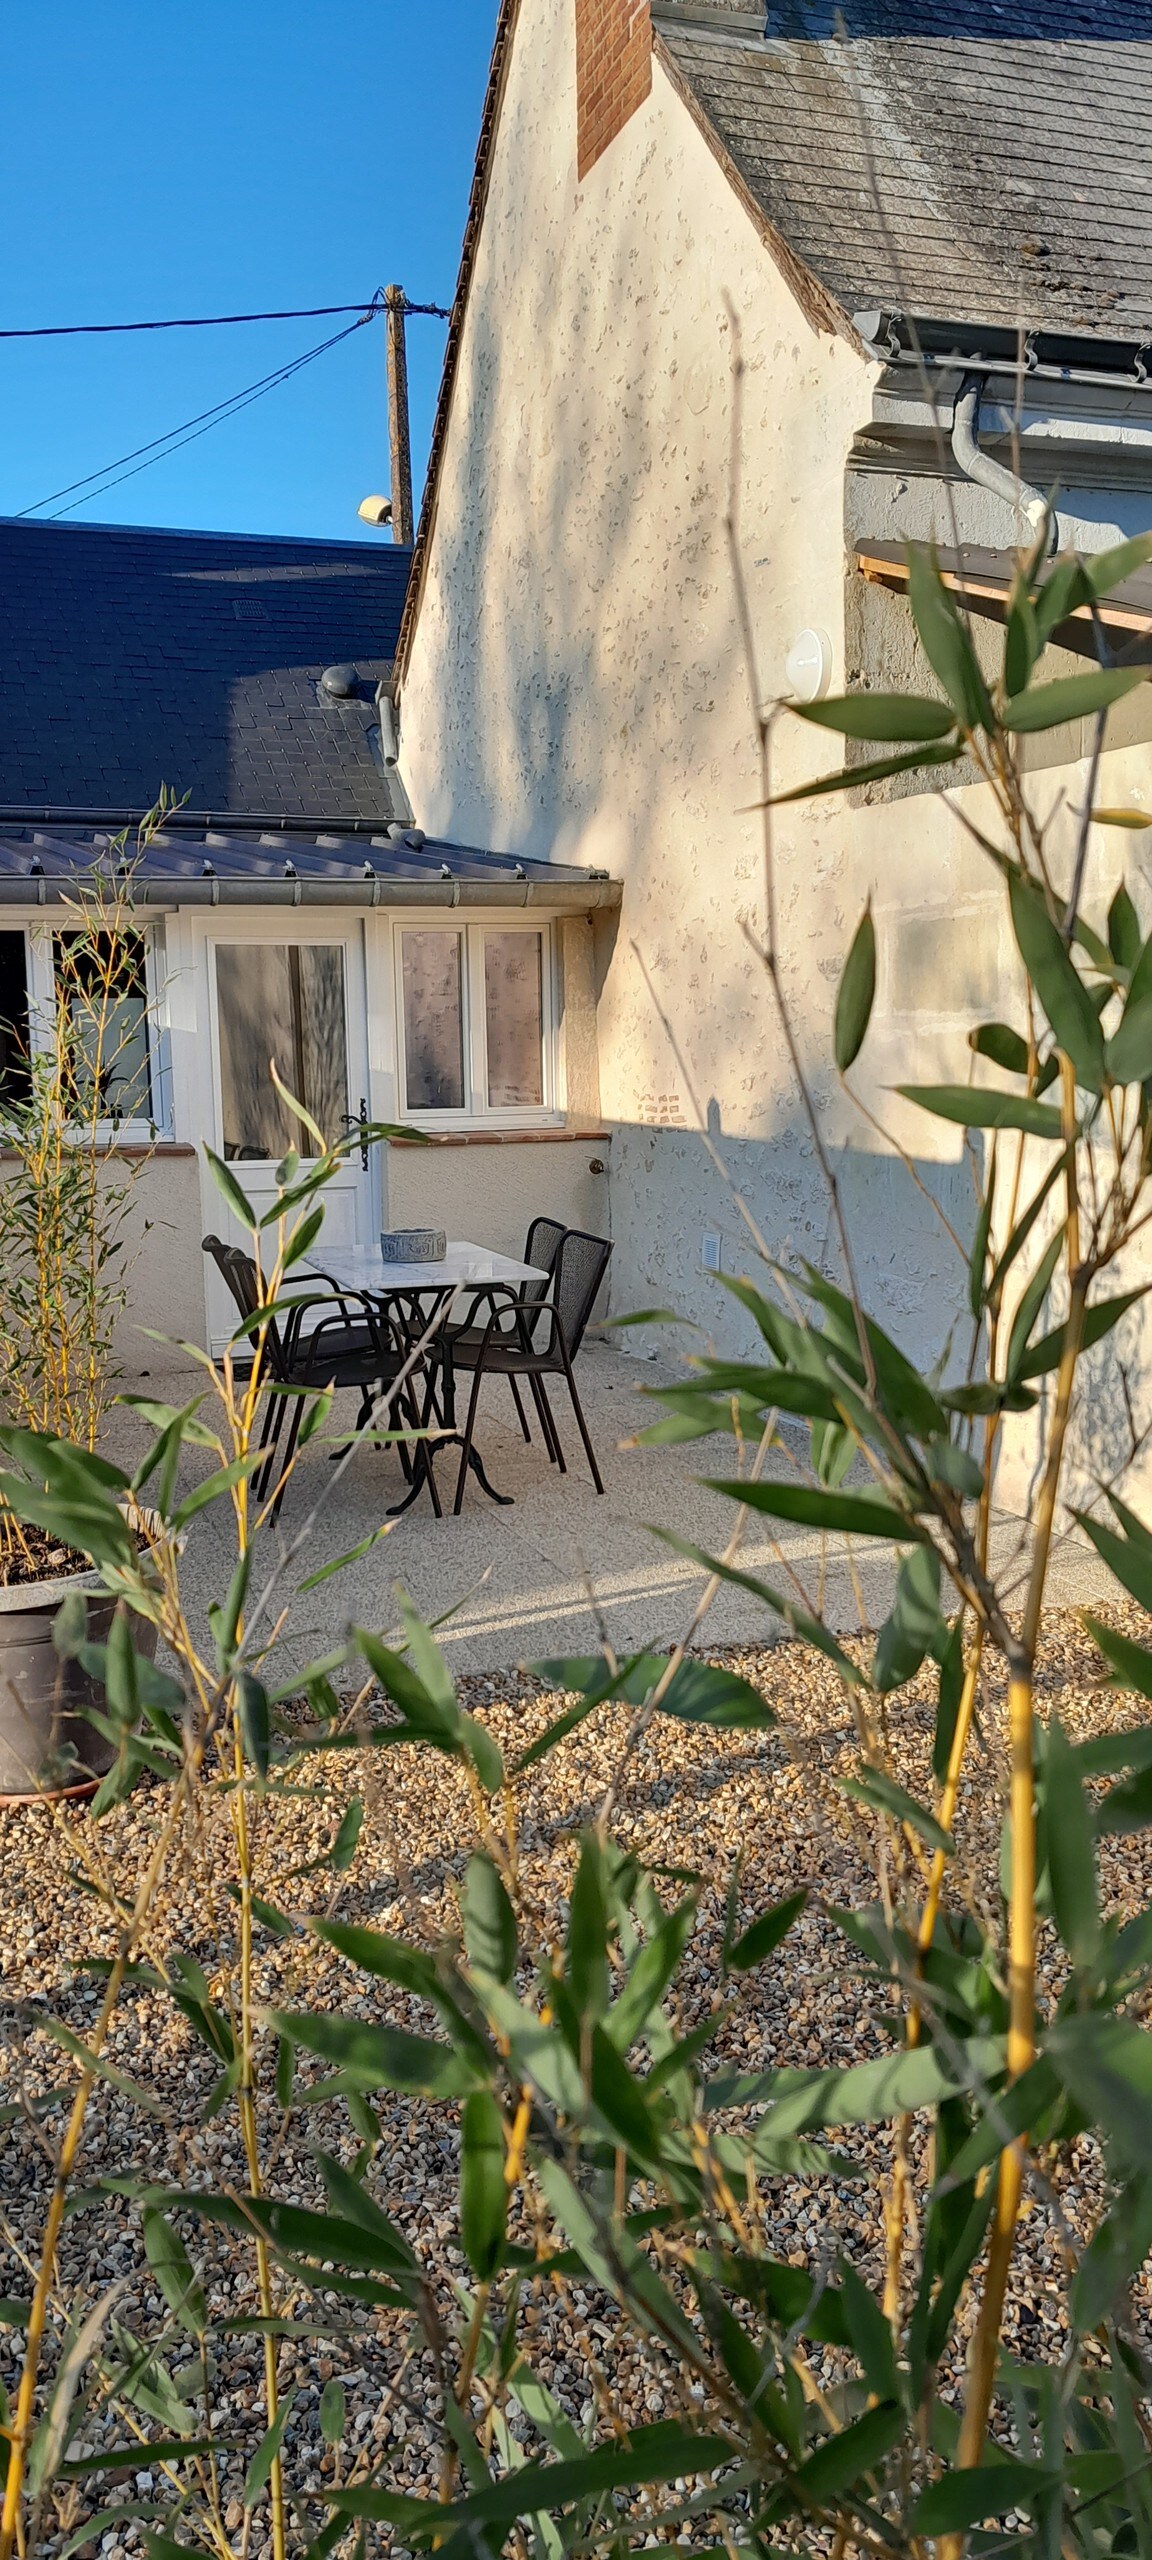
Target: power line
<point>159,448</point>
<point>221,320</point>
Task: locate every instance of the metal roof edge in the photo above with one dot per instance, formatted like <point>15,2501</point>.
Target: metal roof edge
<point>235,889</point>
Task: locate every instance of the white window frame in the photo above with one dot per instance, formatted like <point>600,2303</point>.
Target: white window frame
<point>276,928</point>
<point>133,1129</point>
<point>477,1113</point>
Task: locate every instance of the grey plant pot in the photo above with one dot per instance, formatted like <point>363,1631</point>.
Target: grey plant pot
<point>43,1700</point>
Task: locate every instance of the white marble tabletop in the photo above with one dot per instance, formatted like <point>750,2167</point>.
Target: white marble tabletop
<point>462,1263</point>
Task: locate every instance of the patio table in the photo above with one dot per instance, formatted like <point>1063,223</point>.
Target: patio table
<point>467,1271</point>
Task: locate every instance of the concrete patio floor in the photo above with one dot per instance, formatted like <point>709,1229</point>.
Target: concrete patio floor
<point>561,1568</point>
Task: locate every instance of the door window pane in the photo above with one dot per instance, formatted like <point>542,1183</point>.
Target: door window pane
<point>282,1001</point>
<point>513,997</point>
<point>433,1021</point>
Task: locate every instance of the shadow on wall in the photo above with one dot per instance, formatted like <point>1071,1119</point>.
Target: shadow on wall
<point>670,1202</point>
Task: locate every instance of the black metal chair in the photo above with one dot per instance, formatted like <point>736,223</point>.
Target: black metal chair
<point>541,1246</point>
<point>534,1338</point>
<point>349,1347</point>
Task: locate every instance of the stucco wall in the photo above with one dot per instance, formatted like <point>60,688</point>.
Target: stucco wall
<point>576,687</point>
<point>161,1255</point>
<point>491,1193</point>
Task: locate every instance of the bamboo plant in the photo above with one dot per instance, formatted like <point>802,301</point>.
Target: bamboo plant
<point>603,2144</point>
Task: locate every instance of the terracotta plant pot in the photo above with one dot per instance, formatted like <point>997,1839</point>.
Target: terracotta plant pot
<point>44,1700</point>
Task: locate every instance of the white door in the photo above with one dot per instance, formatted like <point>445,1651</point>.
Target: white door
<point>297,997</point>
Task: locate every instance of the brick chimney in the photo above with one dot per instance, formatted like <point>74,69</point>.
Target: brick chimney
<point>613,72</point>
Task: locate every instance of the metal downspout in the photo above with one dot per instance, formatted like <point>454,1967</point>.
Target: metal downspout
<point>979,466</point>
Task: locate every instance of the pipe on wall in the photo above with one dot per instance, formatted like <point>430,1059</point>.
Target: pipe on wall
<point>979,466</point>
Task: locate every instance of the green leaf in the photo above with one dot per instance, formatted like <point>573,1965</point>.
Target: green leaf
<point>977,1107</point>
<point>1048,706</point>
<point>863,2093</point>
<point>951,1688</point>
<point>229,1189</point>
<point>911,1630</point>
<point>1061,991</point>
<point>875,1788</point>
<point>379,2057</point>
<point>764,1935</point>
<point>483,2187</point>
<point>267,2452</point>
<point>859,1515</point>
<point>870,2334</point>
<point>174,2273</point>
<point>857,777</point>
<point>587,1966</point>
<point>252,1718</point>
<point>656,2453</point>
<point>802,1624</point>
<point>489,1919</point>
<point>1129,1051</point>
<point>333,2412</point>
<point>1021,639</point>
<point>945,641</point>
<point>1104,571</point>
<point>347,1839</point>
<point>650,1974</point>
<point>1098,1322</point>
<point>1105,2064</point>
<point>1071,1850</point>
<point>698,1692</point>
<point>1124,936</point>
<point>1031,1302</point>
<point>881,717</point>
<point>856,993</point>
<point>978,1258</point>
<point>842,2460</point>
<point>1006,1048</point>
<point>964,2498</point>
<point>1131,1664</point>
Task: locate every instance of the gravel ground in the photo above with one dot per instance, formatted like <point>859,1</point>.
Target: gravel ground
<point>692,1797</point>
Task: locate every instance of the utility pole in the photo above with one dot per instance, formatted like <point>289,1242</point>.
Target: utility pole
<point>395,308</point>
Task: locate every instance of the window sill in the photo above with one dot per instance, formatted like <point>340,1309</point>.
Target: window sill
<point>506,1138</point>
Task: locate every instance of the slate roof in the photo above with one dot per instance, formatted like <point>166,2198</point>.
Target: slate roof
<point>962,160</point>
<point>392,866</point>
<point>131,657</point>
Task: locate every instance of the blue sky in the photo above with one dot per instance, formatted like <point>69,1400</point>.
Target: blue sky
<point>186,156</point>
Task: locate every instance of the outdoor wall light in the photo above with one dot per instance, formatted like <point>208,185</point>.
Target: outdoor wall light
<point>808,666</point>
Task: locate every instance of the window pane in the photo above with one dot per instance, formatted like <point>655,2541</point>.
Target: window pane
<point>103,981</point>
<point>282,1001</point>
<point>513,995</point>
<point>433,1022</point>
<point>14,1078</point>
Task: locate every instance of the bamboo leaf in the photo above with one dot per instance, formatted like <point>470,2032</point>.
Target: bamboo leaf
<point>945,641</point>
<point>881,717</point>
<point>877,1789</point>
<point>1071,1850</point>
<point>978,1107</point>
<point>1048,706</point>
<point>1124,936</point>
<point>1129,1051</point>
<point>1006,1048</point>
<point>483,2187</point>
<point>858,1515</point>
<point>914,1624</point>
<point>229,1189</point>
<point>1031,1304</point>
<point>1061,991</point>
<point>764,1935</point>
<point>267,2452</point>
<point>856,993</point>
<point>964,2498</point>
<point>380,2057</point>
<point>489,1920</point>
<point>857,777</point>
<point>174,2272</point>
<point>1098,1323</point>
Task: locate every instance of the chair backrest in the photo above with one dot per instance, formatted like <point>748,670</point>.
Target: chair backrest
<point>581,1263</point>
<point>541,1246</point>
<point>242,1280</point>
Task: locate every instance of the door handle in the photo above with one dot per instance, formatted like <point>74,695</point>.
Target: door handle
<point>359,1120</point>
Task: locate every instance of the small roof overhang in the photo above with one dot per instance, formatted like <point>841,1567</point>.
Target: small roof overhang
<point>282,867</point>
<point>983,579</point>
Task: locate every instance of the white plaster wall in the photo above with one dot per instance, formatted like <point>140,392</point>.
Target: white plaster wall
<point>577,688</point>
<point>491,1194</point>
<point>162,1260</point>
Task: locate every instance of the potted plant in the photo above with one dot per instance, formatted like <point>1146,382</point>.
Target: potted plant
<point>65,1196</point>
